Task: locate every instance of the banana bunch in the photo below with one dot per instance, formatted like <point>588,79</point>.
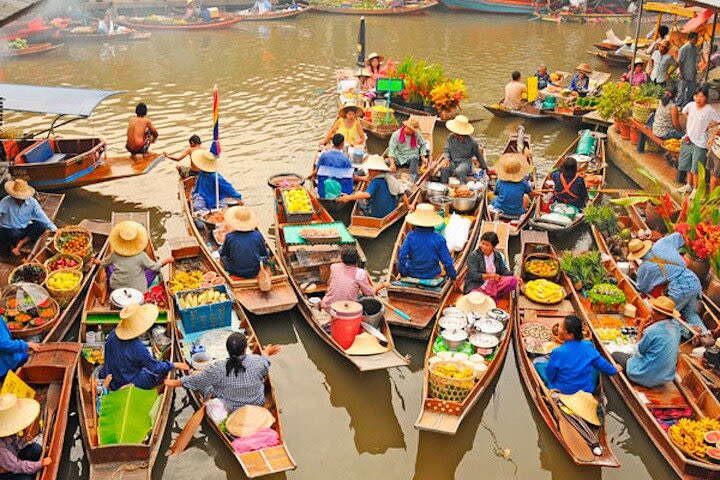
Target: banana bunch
<point>190,300</point>
<point>672,144</point>
<point>544,291</point>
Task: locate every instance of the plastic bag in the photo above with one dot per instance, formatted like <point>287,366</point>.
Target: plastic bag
<point>457,232</point>
<point>263,278</point>
<point>333,189</point>
<point>439,345</point>
<point>215,409</point>
<point>586,144</point>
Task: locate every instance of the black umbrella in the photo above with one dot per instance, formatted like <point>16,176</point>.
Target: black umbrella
<point>361,44</point>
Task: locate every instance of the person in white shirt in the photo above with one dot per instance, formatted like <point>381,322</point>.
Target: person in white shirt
<point>700,118</point>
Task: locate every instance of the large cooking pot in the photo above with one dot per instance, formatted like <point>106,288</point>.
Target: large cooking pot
<point>435,190</point>
<point>464,204</point>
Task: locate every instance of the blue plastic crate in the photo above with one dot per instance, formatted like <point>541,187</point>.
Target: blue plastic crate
<point>206,317</point>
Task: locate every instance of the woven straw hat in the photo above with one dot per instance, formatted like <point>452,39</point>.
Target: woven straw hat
<point>512,167</point>
<point>413,123</point>
<point>638,248</point>
<point>204,160</point>
<point>665,306</point>
<point>425,216</point>
<point>476,302</point>
<point>248,419</point>
<point>16,413</point>
<point>128,238</point>
<point>374,55</point>
<point>582,404</point>
<point>460,125</point>
<point>136,320</point>
<point>242,219</point>
<point>375,162</point>
<point>344,110</point>
<point>19,189</point>
<point>365,344</point>
<point>584,67</point>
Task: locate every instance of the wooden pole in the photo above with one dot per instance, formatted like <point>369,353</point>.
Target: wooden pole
<point>712,43</point>
<point>637,38</point>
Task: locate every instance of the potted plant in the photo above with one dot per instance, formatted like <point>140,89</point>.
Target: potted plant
<point>616,103</point>
<point>420,80</point>
<point>446,97</point>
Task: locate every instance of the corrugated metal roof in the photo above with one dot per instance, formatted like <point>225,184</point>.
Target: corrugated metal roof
<point>706,3</point>
<point>11,9</point>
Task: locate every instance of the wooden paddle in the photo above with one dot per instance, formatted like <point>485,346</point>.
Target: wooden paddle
<point>573,439</point>
<point>402,314</point>
<point>182,441</point>
<point>51,402</point>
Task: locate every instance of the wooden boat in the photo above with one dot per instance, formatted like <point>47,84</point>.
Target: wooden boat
<point>351,96</point>
<point>249,16</point>
<point>422,303</point>
<point>254,464</point>
<point>246,291</point>
<point>606,46</point>
<point>611,58</point>
<point>513,7</point>
<point>585,17</point>
<point>407,9</point>
<point>33,49</point>
<point>371,227</point>
<point>309,268</point>
<point>93,37</point>
<point>530,312</point>
<point>527,112</point>
<point>52,367</point>
<point>50,203</point>
<point>594,170</point>
<point>174,23</point>
<point>445,416</point>
<point>119,461</point>
<point>515,223</point>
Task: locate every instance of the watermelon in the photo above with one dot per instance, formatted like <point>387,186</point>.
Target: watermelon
<point>37,322</point>
<point>712,437</point>
<point>713,453</point>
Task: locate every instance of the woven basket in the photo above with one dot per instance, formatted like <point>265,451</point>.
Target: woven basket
<point>64,297</point>
<point>87,252</point>
<point>450,389</point>
<point>642,109</point>
<point>58,256</point>
<point>11,277</point>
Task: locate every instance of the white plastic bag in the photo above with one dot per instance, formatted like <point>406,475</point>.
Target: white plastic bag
<point>215,409</point>
<point>457,232</point>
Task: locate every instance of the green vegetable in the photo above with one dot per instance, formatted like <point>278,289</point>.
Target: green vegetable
<point>586,269</point>
<point>607,294</point>
<point>604,218</point>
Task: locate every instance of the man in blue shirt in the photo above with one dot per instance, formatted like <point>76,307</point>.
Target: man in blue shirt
<point>334,167</point>
<point>13,353</point>
<point>244,247</point>
<point>204,192</point>
<point>423,250</point>
<point>511,186</point>
<point>381,198</point>
<point>22,219</point>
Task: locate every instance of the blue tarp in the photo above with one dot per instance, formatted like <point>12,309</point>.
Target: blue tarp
<point>78,102</point>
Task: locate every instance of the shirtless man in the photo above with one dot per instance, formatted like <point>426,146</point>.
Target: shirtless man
<point>140,133</point>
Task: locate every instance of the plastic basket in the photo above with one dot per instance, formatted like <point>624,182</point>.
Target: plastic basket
<point>64,296</point>
<point>295,217</point>
<point>206,317</point>
<point>58,256</point>
<point>450,389</point>
<point>86,253</point>
<point>642,109</point>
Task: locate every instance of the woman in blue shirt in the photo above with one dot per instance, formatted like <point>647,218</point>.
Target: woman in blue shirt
<point>423,250</point>
<point>580,81</point>
<point>573,366</point>
<point>380,199</point>
<point>244,248</point>
<point>511,186</point>
<point>204,191</point>
<point>570,187</point>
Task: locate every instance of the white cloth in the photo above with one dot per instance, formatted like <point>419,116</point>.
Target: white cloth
<point>698,122</point>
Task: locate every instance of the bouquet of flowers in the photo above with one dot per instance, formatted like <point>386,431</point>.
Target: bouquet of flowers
<point>447,95</point>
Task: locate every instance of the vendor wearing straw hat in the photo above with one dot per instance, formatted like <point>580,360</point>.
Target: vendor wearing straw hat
<point>127,359</point>
<point>461,151</point>
<point>408,148</point>
<point>128,264</point>
<point>581,81</point>
<point>636,74</point>
<point>244,247</point>
<point>511,186</point>
<point>423,250</point>
<point>19,460</point>
<point>22,219</point>
<point>375,69</point>
<point>206,189</point>
<point>380,197</point>
<point>348,124</point>
<point>657,349</point>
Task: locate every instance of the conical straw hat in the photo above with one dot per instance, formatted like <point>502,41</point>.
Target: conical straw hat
<point>582,404</point>
<point>248,419</point>
<point>16,413</point>
<point>128,238</point>
<point>136,320</point>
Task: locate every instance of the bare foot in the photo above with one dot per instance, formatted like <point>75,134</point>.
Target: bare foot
<point>16,251</point>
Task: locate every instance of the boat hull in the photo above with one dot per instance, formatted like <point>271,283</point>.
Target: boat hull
<point>405,10</point>
<point>490,6</point>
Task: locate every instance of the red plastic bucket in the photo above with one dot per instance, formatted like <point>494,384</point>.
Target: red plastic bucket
<point>345,322</point>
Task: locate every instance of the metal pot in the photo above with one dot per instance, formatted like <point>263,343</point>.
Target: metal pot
<point>483,342</point>
<point>454,338</point>
<point>498,314</point>
<point>490,327</point>
<point>464,204</point>
<point>452,323</point>
<point>435,190</point>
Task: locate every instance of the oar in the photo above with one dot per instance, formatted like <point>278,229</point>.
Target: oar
<point>402,314</point>
<point>181,442</point>
<point>51,402</point>
<point>573,439</point>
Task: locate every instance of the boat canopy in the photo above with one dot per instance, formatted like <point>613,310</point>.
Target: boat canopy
<point>671,8</point>
<point>77,102</point>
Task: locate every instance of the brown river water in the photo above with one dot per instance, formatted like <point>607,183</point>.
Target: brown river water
<point>276,84</point>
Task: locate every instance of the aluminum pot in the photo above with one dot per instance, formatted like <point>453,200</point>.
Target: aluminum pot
<point>435,190</point>
<point>464,204</point>
<point>454,338</point>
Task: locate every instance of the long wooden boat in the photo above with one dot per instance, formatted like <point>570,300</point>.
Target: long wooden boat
<point>446,416</point>
<point>246,291</point>
<point>371,227</point>
<point>92,37</point>
<point>611,58</point>
<point>585,17</point>
<point>50,203</point>
<point>422,303</point>
<point>52,367</point>
<point>31,50</point>
<point>527,112</point>
<point>309,268</point>
<point>249,16</point>
<point>352,96</point>
<point>188,255</point>
<point>548,315</point>
<point>179,24</point>
<point>594,169</point>
<point>513,7</point>
<point>515,224</point>
<point>407,9</point>
<point>119,461</point>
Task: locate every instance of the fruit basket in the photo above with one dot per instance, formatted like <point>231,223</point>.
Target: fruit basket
<point>29,273</point>
<point>544,291</point>
<point>74,240</point>
<point>28,309</point>
<point>451,381</point>
<point>540,265</point>
<point>63,261</point>
<point>63,285</point>
<point>297,205</point>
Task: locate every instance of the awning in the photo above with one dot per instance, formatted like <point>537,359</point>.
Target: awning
<point>79,102</point>
<point>670,8</point>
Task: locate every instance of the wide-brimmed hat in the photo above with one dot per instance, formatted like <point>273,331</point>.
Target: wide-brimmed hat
<point>664,305</point>
<point>344,110</point>
<point>476,302</point>
<point>413,123</point>
<point>512,167</point>
<point>248,419</point>
<point>136,320</point>
<point>638,248</point>
<point>241,218</point>
<point>16,414</point>
<point>365,344</point>
<point>374,55</point>
<point>375,162</point>
<point>582,404</point>
<point>204,160</point>
<point>460,125</point>
<point>639,61</point>
<point>425,216</point>
<point>19,189</point>
<point>628,40</point>
<point>584,67</point>
<point>128,238</point>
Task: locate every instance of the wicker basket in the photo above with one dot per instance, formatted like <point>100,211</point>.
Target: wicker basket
<point>450,389</point>
<point>86,253</point>
<point>642,109</point>
<point>58,256</point>
<point>540,256</point>
<point>11,277</point>
<point>64,296</point>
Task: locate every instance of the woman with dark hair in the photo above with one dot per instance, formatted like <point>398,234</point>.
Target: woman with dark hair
<point>347,279</point>
<point>569,184</point>
<point>574,365</point>
<point>487,271</point>
<point>666,123</point>
<point>238,380</point>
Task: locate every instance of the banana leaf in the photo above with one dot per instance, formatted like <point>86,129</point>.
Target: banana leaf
<point>125,416</point>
